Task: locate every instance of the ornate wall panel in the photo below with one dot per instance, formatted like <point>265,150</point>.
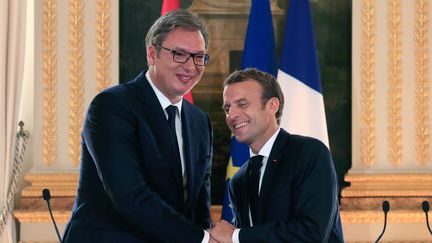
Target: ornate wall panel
<point>77,42</point>
<point>76,78</point>
<point>367,129</point>
<point>103,44</point>
<point>394,93</point>
<point>391,142</point>
<point>422,81</point>
<point>391,86</point>
<point>49,79</point>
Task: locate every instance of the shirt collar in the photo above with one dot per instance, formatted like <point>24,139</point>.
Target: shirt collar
<point>163,100</point>
<point>266,149</point>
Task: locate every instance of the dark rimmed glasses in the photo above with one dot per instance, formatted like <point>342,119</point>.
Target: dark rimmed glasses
<point>199,59</point>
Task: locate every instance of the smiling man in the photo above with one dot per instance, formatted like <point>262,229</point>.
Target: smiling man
<point>146,153</point>
<point>287,191</point>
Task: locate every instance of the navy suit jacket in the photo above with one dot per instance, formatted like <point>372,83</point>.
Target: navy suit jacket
<point>130,189</point>
<point>298,200</point>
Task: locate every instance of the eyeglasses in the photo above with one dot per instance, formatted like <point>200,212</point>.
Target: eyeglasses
<point>199,59</point>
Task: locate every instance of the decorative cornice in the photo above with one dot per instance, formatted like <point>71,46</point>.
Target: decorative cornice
<point>374,217</point>
<point>394,92</point>
<point>364,192</point>
<point>228,7</point>
<point>424,177</point>
<point>49,81</point>
<point>31,216</point>
<point>367,83</point>
<point>357,217</point>
<point>76,79</point>
<point>60,184</point>
<point>421,40</point>
<point>35,178</point>
<point>388,185</point>
<point>103,43</point>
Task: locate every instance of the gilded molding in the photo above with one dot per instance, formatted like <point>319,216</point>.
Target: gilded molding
<point>35,178</point>
<point>103,43</point>
<point>32,216</point>
<point>367,83</point>
<point>49,81</point>
<point>358,217</point>
<point>351,192</point>
<point>424,177</point>
<point>229,7</point>
<point>388,185</point>
<point>422,121</point>
<point>60,184</point>
<point>76,79</point>
<point>51,241</point>
<point>394,92</point>
<point>371,217</point>
<point>35,191</point>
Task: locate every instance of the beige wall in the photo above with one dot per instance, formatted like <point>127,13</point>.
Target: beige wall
<point>71,54</point>
<point>385,166</point>
<point>391,120</point>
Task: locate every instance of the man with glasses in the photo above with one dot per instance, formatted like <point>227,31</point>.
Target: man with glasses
<point>146,160</point>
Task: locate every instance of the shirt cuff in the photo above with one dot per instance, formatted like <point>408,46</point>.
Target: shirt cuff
<point>235,236</point>
<point>206,237</point>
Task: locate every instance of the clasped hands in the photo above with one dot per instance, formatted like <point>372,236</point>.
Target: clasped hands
<point>221,232</point>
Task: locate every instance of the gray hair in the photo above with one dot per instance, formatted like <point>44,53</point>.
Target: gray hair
<point>175,19</point>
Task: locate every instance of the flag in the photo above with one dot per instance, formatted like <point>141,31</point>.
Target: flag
<point>299,77</point>
<point>169,5</point>
<point>258,52</point>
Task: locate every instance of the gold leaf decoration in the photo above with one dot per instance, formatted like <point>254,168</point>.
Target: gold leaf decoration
<point>367,84</point>
<point>394,92</point>
<point>374,217</point>
<point>388,185</point>
<point>103,44</point>
<point>76,79</point>
<point>49,81</point>
<point>421,41</point>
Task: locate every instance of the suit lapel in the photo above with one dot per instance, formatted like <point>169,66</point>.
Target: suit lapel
<point>158,121</point>
<point>270,170</point>
<point>189,135</point>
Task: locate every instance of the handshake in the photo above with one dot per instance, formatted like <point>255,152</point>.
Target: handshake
<point>221,232</point>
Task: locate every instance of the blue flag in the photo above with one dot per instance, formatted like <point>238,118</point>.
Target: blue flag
<point>299,76</point>
<point>258,52</point>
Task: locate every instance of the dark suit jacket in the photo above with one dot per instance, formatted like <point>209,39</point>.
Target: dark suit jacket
<point>130,190</point>
<point>298,201</point>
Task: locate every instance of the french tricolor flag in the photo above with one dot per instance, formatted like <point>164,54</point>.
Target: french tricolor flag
<point>299,77</point>
<point>259,52</point>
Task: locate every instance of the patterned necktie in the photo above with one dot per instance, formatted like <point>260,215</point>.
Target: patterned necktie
<point>255,164</point>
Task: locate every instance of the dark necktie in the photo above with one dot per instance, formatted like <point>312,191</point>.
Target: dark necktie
<point>255,164</point>
<point>172,110</point>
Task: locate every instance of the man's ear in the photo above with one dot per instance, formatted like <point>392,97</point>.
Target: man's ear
<point>151,54</point>
<point>273,105</point>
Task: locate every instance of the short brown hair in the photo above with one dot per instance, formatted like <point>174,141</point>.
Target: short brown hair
<point>267,81</point>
